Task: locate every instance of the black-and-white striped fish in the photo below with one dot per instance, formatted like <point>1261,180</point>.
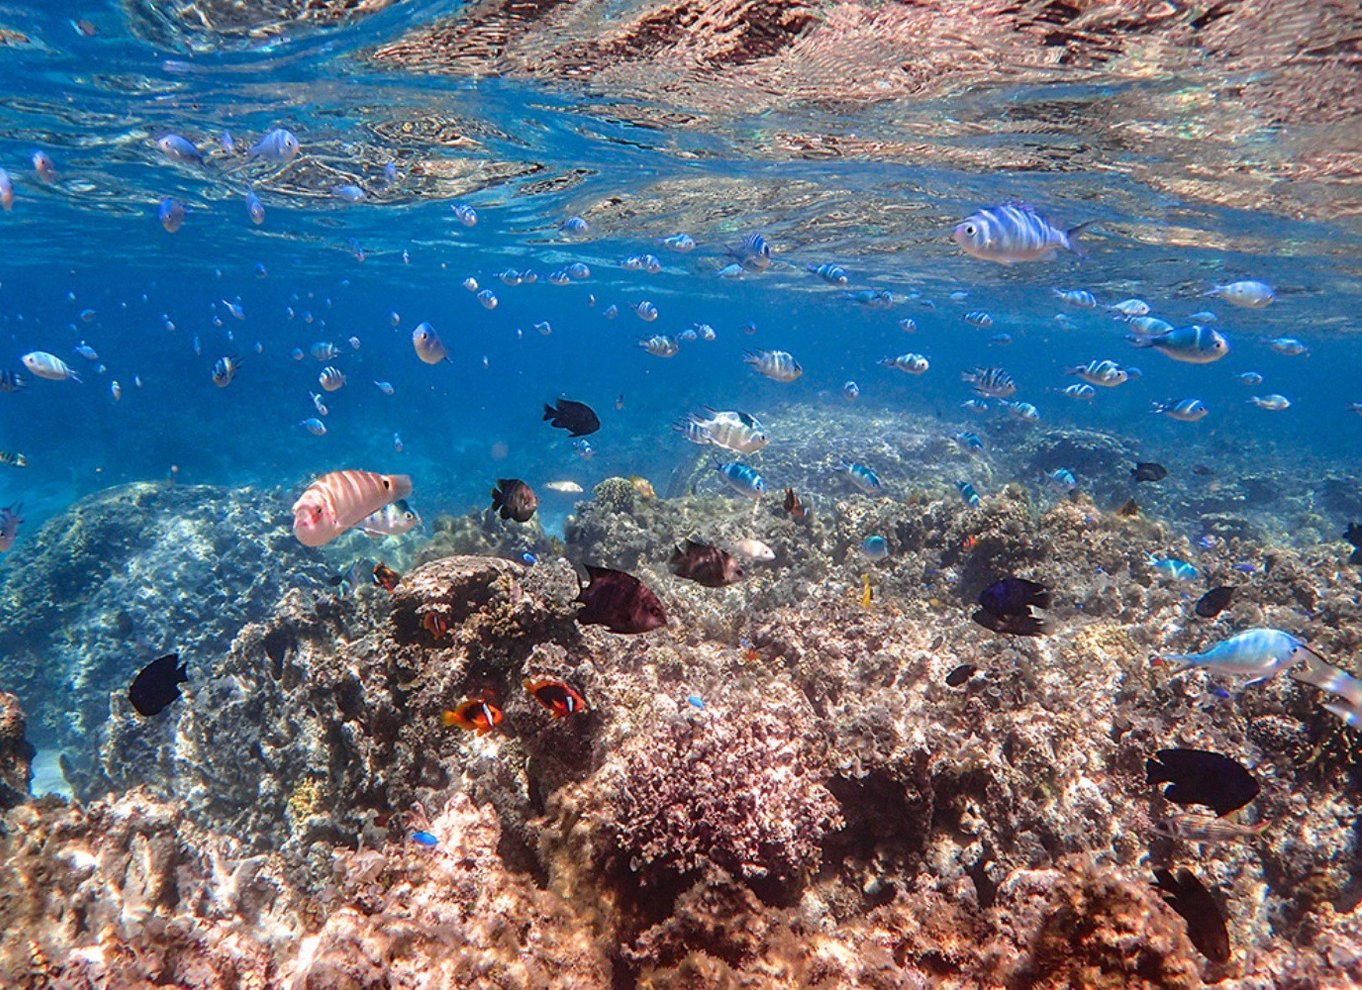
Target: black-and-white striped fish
<point>11,381</point>
<point>993,383</point>
<point>779,365</point>
<point>1011,233</point>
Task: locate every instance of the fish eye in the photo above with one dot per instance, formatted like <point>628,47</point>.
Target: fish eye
<point>969,229</point>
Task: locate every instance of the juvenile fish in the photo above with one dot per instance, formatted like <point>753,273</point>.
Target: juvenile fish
<point>278,145</point>
<point>1186,411</point>
<point>912,364</point>
<point>391,520</point>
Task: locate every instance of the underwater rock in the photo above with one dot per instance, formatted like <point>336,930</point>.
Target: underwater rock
<point>208,25</point>
<point>138,570</point>
<point>131,892</point>
<point>16,753</point>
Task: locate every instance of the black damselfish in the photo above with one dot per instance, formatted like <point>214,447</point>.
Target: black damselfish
<point>1206,927</point>
<point>157,685</point>
<point>1215,601</point>
<point>1007,605</point>
<point>1196,776</point>
<point>577,418</point>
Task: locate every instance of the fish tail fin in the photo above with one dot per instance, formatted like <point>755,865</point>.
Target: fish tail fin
<point>76,378</point>
<point>1139,340</point>
<point>1071,238</point>
<point>1158,407</point>
<point>549,412</point>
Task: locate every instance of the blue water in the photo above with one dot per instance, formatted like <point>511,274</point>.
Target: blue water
<point>92,241</point>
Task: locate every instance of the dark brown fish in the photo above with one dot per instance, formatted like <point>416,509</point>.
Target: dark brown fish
<point>514,499</point>
<point>1148,471</point>
<point>620,602</point>
<point>1011,625</point>
<point>961,674</point>
<point>158,685</point>
<point>705,564</point>
<point>1215,601</point>
<point>577,418</point>
<point>1206,927</point>
<point>1129,510</point>
<point>1197,776</point>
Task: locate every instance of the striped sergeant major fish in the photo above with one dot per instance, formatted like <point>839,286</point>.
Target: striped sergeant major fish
<point>1011,233</point>
<point>993,383</point>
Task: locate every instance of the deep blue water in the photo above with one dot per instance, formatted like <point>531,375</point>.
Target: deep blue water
<point>92,241</point>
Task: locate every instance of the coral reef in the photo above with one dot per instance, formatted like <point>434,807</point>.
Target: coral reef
<point>133,893</point>
<point>779,788</point>
<point>16,753</point>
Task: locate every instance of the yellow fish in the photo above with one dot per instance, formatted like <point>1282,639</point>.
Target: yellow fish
<point>867,592</point>
<point>642,485</point>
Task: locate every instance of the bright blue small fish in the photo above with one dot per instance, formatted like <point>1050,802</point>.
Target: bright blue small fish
<point>1255,653</point>
<point>179,149</point>
<point>1062,479</point>
<point>1174,568</point>
<point>425,839</point>
<point>875,547</point>
<point>1191,344</point>
<point>695,701</point>
<point>574,226</point>
<point>742,479</point>
<point>171,214</point>
<point>278,145</point>
<point>529,558</point>
<point>861,476</point>
<point>968,494</point>
<point>1011,233</point>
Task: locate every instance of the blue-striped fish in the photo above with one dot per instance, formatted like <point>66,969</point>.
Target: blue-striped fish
<point>1011,233</point>
<point>752,252</point>
<point>832,274</point>
<point>968,493</point>
<point>979,319</point>
<point>861,476</point>
<point>742,479</point>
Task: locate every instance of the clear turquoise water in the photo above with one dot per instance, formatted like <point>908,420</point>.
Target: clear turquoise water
<point>92,241</point>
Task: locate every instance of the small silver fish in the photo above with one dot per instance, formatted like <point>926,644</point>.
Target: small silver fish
<point>278,145</point>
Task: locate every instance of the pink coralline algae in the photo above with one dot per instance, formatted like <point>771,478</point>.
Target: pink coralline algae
<point>740,789</point>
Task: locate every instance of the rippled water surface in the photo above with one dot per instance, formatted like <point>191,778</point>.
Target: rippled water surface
<point>1207,142</point>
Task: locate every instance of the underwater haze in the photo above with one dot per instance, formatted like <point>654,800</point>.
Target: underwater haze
<point>972,344</point>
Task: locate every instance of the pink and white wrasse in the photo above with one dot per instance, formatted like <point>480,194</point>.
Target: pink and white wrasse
<point>340,499</point>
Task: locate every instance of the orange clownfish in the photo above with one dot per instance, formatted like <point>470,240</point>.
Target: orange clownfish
<point>969,543</point>
<point>435,624</point>
<point>557,696</point>
<point>385,577</point>
<point>475,714</point>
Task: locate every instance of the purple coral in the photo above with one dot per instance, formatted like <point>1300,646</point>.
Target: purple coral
<point>742,791</point>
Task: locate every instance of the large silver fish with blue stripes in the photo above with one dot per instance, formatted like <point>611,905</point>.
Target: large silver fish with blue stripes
<point>1011,233</point>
